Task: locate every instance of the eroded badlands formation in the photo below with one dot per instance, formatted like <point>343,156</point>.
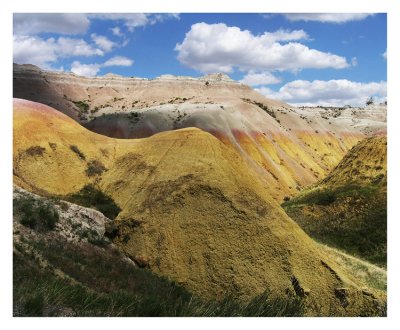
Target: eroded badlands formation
<point>289,148</point>
<point>192,208</point>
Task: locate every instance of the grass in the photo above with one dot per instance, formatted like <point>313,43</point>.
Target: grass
<point>327,196</point>
<point>97,282</point>
<point>351,218</point>
<point>91,196</point>
<point>369,274</point>
<point>35,214</point>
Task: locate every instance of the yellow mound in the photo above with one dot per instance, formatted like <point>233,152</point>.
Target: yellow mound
<point>191,209</point>
<point>365,163</point>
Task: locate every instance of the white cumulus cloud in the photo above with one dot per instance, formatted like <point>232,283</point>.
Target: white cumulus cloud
<point>87,70</point>
<point>42,52</point>
<point>134,20</point>
<point>118,61</point>
<point>385,55</point>
<point>327,18</point>
<point>35,23</point>
<point>117,31</point>
<point>261,78</point>
<point>218,47</point>
<point>103,42</point>
<point>66,47</point>
<point>92,69</point>
<point>327,92</point>
<point>33,50</point>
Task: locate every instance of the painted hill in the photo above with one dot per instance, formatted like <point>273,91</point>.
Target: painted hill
<point>288,147</point>
<point>347,209</point>
<point>192,211</point>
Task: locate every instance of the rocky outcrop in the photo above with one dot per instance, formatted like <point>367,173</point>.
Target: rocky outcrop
<point>75,223</point>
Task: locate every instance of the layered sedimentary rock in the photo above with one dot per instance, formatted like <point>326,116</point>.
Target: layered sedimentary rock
<point>289,147</point>
<point>192,210</point>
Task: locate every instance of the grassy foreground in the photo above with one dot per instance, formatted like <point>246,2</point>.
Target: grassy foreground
<point>87,280</point>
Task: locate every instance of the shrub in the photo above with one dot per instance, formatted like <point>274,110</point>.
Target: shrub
<point>34,305</point>
<point>80,154</point>
<point>36,214</point>
<point>370,101</point>
<point>95,167</point>
<point>53,146</point>
<point>90,196</point>
<point>35,151</point>
<point>325,198</point>
<point>82,105</point>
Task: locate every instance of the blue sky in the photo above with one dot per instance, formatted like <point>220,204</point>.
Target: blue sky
<point>304,59</point>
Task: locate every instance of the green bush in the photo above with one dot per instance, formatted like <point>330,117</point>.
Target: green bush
<point>95,167</point>
<point>90,196</point>
<point>35,151</point>
<point>80,154</point>
<point>33,305</point>
<point>36,214</point>
<point>82,105</point>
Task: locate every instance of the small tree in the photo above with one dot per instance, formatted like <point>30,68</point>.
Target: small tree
<point>370,101</point>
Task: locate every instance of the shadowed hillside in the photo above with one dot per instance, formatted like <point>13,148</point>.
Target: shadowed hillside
<point>348,208</point>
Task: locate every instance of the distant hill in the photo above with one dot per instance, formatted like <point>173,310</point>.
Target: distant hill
<point>288,147</point>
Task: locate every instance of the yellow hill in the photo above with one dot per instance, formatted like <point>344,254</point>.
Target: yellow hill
<point>191,210</point>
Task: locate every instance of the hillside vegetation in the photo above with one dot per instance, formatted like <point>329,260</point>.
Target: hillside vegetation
<point>347,209</point>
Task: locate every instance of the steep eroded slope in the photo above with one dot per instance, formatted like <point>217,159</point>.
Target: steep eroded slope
<point>192,210</point>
